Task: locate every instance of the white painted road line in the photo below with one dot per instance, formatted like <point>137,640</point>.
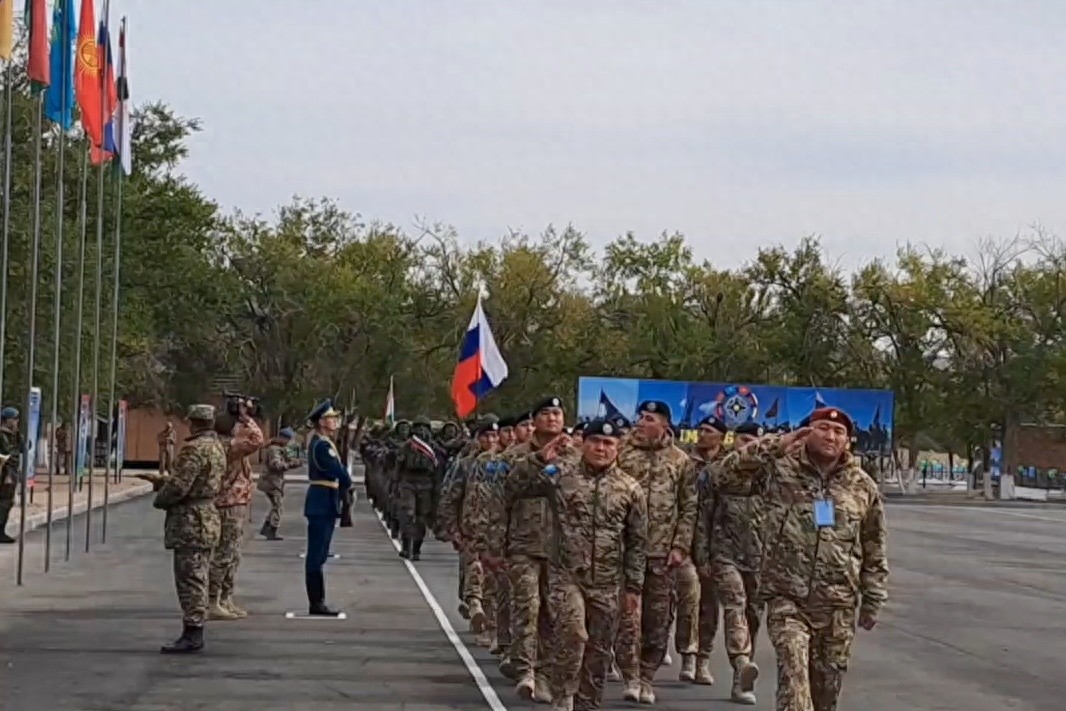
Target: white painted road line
<point>482,682</point>
<point>988,509</point>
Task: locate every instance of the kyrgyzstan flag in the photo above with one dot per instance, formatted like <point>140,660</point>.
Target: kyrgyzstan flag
<point>87,75</point>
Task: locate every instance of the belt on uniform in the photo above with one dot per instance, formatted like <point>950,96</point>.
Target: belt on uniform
<point>328,483</point>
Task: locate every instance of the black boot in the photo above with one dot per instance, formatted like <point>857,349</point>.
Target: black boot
<point>405,547</point>
<point>272,534</point>
<point>265,530</point>
<point>394,529</point>
<point>416,549</point>
<point>316,596</point>
<point>191,641</point>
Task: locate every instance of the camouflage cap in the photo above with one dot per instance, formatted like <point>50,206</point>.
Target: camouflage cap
<point>202,412</point>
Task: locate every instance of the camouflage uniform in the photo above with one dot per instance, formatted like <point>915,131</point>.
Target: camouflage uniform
<point>710,607</point>
<point>166,440</point>
<point>516,527</point>
<point>272,484</point>
<point>234,494</point>
<point>813,578</point>
<point>193,526</point>
<point>664,472</point>
<point>10,476</point>
<point>417,469</point>
<point>598,524</point>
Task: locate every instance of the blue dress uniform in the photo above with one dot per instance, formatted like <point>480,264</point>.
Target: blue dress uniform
<point>328,485</point>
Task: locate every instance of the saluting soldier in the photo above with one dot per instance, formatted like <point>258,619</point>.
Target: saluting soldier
<point>327,492</point>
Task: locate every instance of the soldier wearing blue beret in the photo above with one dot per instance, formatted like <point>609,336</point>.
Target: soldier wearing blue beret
<point>327,491</point>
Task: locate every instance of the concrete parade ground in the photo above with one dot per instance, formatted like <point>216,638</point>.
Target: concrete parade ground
<point>977,621</point>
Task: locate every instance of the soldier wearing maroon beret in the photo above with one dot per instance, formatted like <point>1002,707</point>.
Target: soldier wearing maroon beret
<point>825,519</point>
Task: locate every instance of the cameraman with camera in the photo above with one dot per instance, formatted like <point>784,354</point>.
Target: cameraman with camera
<point>241,438</point>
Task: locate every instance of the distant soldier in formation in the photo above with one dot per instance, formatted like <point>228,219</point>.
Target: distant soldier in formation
<point>62,449</point>
<point>166,440</point>
<point>272,481</point>
<point>193,526</point>
<point>10,470</point>
<point>417,463</point>
<point>327,490</point>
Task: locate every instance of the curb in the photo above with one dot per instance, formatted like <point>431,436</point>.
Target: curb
<point>38,520</point>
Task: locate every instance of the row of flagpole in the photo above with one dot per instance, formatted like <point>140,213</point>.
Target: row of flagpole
<point>58,77</point>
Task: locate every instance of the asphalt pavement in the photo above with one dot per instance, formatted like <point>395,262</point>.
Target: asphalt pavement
<point>976,622</point>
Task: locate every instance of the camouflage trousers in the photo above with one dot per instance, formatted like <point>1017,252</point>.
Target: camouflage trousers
<point>813,648</point>
<point>472,580</point>
<point>710,608</point>
<point>584,619</point>
<point>502,605</point>
<point>191,572</point>
<point>277,508</point>
<point>416,505</point>
<point>687,609</point>
<point>227,555</point>
<point>530,614</point>
<point>644,635</point>
<point>738,593</point>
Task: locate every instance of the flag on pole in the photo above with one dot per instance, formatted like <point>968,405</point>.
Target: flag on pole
<point>123,123</point>
<point>87,85</point>
<point>37,68</point>
<point>109,95</point>
<point>7,28</point>
<point>59,101</point>
<point>481,368</point>
<point>390,404</point>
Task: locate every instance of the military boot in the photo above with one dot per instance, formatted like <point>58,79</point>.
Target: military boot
<point>394,529</point>
<point>416,549</point>
<point>218,612</point>
<point>631,690</point>
<point>667,659</point>
<point>745,672</point>
<point>703,671</point>
<point>464,611</point>
<point>405,547</point>
<point>191,641</point>
<point>265,530</point>
<point>564,704</point>
<point>272,534</point>
<point>478,619</point>
<point>647,693</point>
<point>228,604</point>
<point>526,687</point>
<point>688,667</point>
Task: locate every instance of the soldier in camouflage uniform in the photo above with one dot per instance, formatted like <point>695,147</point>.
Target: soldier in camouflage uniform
<point>272,481</point>
<point>393,511</point>
<point>728,541</point>
<point>521,526</point>
<point>10,470</point>
<point>706,455</point>
<point>451,516</point>
<point>523,427</point>
<point>824,520</point>
<point>417,463</point>
<point>598,524</point>
<point>193,526</point>
<point>665,473</point>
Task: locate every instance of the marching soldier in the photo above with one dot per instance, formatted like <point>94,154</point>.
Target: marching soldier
<point>596,549</point>
<point>665,473</point>
<point>327,492</point>
<point>826,525</point>
<point>193,526</point>
<point>272,481</point>
<point>417,463</point>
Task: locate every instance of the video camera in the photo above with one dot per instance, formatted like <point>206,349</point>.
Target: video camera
<point>233,404</point>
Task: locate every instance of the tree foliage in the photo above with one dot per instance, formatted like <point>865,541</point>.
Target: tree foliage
<point>315,301</point>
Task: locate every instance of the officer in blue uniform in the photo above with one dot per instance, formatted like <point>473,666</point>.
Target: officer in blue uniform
<point>327,490</point>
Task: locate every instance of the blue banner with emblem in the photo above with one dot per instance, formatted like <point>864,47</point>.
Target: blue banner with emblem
<point>771,406</point>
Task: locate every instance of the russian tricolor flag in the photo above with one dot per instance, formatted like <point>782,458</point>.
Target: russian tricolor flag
<point>481,368</point>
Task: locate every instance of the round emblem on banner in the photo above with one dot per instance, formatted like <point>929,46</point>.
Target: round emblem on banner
<point>736,405</point>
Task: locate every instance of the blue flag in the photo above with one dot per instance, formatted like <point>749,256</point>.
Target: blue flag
<point>59,101</point>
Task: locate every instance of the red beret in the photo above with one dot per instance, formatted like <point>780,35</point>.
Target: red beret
<point>833,414</point>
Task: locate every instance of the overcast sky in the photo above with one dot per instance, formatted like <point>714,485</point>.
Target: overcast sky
<point>739,124</point>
